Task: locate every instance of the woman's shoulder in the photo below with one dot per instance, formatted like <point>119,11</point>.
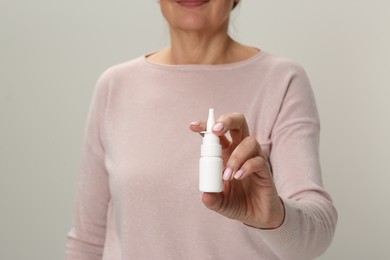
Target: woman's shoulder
<point>282,64</point>
<point>122,69</point>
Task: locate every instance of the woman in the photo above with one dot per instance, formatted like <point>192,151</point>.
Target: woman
<point>137,196</point>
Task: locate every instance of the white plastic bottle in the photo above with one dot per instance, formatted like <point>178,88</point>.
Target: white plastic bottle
<point>210,163</point>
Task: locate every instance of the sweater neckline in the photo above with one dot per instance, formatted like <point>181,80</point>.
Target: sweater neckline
<point>232,65</point>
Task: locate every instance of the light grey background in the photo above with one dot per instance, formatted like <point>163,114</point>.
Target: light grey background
<point>52,53</point>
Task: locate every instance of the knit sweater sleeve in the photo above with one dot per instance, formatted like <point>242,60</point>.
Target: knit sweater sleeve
<point>310,218</point>
<point>87,235</point>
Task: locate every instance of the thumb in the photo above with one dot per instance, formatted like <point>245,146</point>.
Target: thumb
<point>212,201</point>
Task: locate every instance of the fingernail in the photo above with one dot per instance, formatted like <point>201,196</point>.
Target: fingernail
<point>238,174</point>
<point>227,174</point>
<point>218,127</point>
<point>195,123</point>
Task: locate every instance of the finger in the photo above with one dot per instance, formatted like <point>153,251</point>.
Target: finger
<point>212,201</point>
<point>256,165</point>
<point>225,142</point>
<point>198,126</point>
<point>247,149</point>
<point>235,123</point>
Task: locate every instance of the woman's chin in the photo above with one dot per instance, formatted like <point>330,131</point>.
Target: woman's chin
<point>190,23</point>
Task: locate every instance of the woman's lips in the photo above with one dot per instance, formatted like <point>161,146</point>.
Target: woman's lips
<point>192,3</point>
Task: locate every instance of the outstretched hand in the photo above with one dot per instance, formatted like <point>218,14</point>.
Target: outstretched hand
<point>249,193</point>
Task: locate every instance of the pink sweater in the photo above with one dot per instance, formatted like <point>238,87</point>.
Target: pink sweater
<point>138,192</point>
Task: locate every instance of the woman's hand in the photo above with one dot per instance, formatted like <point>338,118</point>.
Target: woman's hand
<point>249,194</point>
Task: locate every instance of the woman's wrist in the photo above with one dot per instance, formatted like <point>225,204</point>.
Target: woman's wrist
<point>274,221</point>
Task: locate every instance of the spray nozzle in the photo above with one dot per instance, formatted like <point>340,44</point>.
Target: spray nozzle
<point>210,121</point>
<point>211,145</point>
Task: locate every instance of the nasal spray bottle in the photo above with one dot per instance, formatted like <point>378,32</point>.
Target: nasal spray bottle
<point>210,163</point>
